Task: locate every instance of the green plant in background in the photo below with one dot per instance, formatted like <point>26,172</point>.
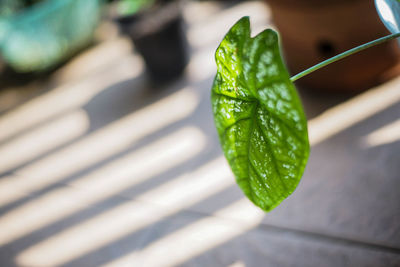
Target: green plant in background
<point>389,12</point>
<point>36,35</point>
<point>10,7</point>
<point>129,7</point>
<point>258,114</point>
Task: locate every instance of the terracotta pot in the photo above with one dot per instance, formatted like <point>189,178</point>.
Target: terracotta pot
<point>313,30</point>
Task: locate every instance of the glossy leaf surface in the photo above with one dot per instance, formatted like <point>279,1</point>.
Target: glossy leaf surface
<point>389,12</point>
<point>258,115</point>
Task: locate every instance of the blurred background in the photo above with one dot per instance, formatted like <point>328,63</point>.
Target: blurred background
<point>109,155</point>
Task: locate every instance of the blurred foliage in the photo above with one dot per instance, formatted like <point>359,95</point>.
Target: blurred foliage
<point>389,12</point>
<point>10,7</point>
<point>129,7</point>
<point>37,36</point>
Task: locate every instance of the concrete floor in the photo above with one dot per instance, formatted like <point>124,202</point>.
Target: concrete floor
<point>101,169</point>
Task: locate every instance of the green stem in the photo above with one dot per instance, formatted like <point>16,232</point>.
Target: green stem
<point>343,55</point>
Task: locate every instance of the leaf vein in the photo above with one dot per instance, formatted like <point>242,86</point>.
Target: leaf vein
<point>235,98</point>
<point>233,124</point>
<point>284,123</point>
<point>258,176</point>
<point>274,159</point>
<point>248,148</point>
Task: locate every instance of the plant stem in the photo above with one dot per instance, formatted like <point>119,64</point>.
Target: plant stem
<point>343,55</point>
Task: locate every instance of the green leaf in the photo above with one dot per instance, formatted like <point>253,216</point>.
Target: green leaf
<point>47,33</point>
<point>259,116</point>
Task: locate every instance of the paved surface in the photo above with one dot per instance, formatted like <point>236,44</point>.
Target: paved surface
<point>100,169</point>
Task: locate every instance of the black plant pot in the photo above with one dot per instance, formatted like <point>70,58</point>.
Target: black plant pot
<point>158,36</point>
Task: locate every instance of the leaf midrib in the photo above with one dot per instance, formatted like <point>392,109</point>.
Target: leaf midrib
<point>249,163</point>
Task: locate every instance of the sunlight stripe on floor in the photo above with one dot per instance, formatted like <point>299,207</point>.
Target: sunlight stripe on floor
<point>195,239</point>
<point>66,97</point>
<point>138,166</point>
<point>131,217</point>
<point>214,176</point>
<point>213,28</point>
<point>359,108</point>
<point>105,142</point>
<point>43,139</point>
<point>92,61</point>
<point>385,135</point>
